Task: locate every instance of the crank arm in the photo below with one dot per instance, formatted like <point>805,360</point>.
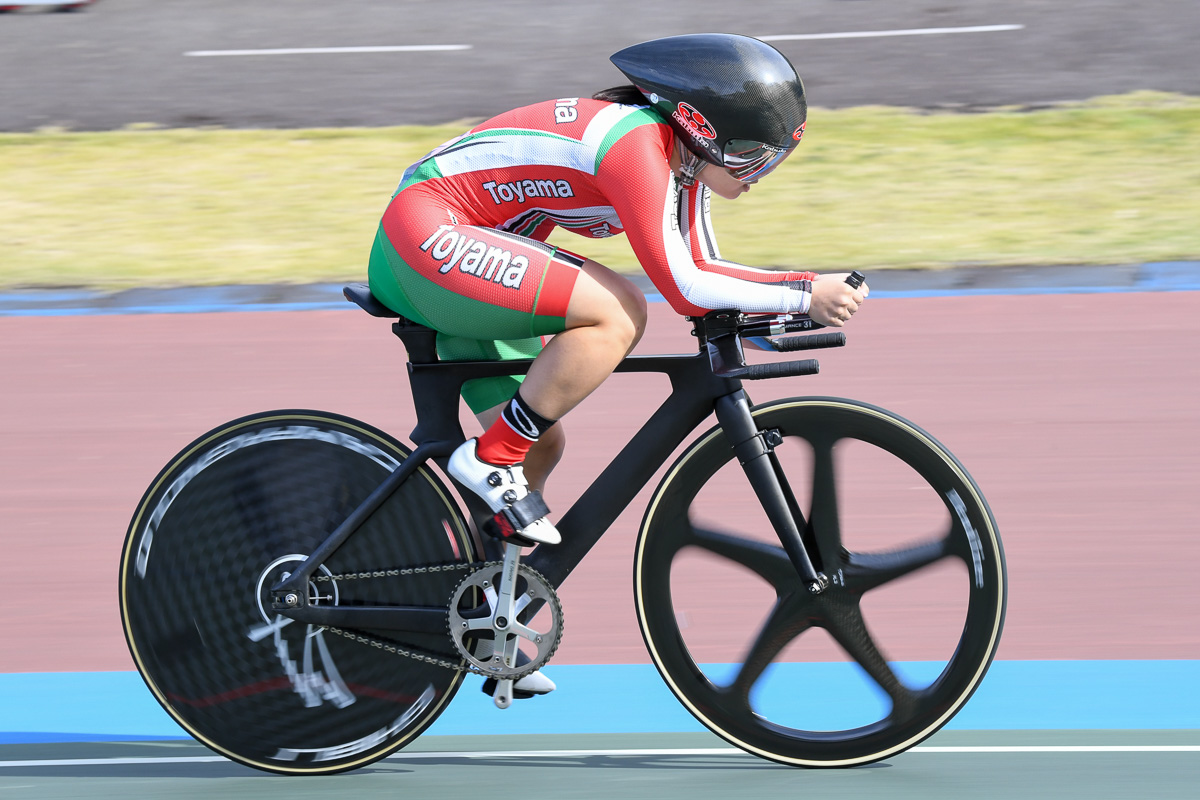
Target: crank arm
<point>506,605</point>
<point>503,695</point>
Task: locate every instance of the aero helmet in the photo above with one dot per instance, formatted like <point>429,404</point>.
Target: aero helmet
<point>733,101</point>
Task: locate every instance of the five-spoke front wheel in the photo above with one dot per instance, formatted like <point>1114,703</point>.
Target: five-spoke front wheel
<point>878,661</point>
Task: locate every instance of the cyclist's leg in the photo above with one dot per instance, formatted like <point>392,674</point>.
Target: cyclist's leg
<point>606,318</point>
<point>487,397</point>
<point>542,457</point>
<point>481,283</point>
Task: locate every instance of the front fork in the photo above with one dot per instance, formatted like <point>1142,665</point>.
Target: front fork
<point>754,450</point>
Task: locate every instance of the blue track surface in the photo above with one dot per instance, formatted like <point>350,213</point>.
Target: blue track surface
<point>1153,277</point>
<point>1016,695</point>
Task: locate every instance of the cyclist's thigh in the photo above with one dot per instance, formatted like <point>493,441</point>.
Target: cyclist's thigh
<point>470,281</point>
<point>602,295</point>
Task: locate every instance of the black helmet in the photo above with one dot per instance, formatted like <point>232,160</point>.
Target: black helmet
<point>733,100</point>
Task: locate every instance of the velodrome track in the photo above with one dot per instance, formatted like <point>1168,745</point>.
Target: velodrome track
<point>1075,412</point>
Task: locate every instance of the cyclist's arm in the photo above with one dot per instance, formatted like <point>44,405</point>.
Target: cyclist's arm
<point>636,178</point>
<point>695,225</point>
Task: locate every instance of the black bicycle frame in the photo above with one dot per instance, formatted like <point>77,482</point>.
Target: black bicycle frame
<point>702,383</point>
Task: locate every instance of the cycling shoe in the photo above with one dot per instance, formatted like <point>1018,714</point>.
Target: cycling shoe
<point>503,488</point>
<point>530,686</point>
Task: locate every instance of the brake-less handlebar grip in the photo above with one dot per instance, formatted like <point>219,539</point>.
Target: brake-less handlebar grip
<point>782,369</point>
<point>856,279</point>
<point>813,341</point>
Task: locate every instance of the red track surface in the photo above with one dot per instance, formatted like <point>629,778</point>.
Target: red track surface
<point>1077,415</point>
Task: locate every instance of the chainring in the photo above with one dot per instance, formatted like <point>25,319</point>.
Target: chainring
<point>480,640</point>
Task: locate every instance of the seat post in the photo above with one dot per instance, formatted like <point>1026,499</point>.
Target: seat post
<point>435,392</point>
<point>419,341</point>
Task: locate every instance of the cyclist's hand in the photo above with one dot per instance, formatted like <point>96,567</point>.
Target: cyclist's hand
<point>834,301</point>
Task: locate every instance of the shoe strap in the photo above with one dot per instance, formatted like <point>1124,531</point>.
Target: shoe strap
<point>529,509</point>
<point>508,522</point>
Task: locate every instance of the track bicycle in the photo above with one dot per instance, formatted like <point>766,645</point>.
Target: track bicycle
<point>305,594</point>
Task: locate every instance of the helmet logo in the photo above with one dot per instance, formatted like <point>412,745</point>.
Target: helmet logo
<point>694,121</point>
<point>796,134</point>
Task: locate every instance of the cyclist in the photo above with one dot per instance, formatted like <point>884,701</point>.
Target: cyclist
<point>461,247</point>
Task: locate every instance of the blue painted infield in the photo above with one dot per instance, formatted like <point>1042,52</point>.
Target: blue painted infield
<point>1164,276</point>
<point>1016,695</point>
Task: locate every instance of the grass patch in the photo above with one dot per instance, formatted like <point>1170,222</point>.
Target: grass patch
<point>1112,180</point>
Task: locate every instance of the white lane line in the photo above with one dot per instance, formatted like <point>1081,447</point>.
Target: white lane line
<point>718,751</point>
<point>424,48</point>
<point>1065,748</point>
<point>792,37</point>
<point>293,51</point>
<point>704,751</point>
<point>97,762</point>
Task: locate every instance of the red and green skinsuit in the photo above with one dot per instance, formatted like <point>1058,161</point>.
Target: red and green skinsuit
<point>461,247</point>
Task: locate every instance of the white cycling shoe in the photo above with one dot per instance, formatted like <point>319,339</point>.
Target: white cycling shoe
<point>531,685</point>
<point>535,683</point>
<point>500,487</point>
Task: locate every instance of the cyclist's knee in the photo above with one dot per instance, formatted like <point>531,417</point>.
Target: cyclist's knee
<point>604,298</point>
<point>636,311</point>
<point>630,323</point>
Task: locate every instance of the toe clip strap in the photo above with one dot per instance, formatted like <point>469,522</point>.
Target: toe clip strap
<point>511,520</point>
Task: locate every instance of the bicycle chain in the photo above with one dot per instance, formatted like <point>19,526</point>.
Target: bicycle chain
<point>402,571</point>
<point>384,644</point>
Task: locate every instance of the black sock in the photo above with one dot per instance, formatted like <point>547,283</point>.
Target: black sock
<point>524,420</point>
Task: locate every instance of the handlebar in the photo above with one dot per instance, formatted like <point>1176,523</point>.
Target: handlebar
<point>814,341</point>
<point>722,331</point>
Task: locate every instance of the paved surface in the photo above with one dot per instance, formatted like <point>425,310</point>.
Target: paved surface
<point>125,61</point>
<point>962,766</point>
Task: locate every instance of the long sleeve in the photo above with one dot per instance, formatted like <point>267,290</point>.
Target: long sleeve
<point>684,264</point>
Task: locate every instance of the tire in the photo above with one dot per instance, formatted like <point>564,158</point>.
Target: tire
<point>233,512</point>
<point>880,660</point>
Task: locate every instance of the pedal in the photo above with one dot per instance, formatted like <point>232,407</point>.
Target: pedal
<point>503,696</point>
<point>502,527</point>
<point>508,522</point>
<point>489,685</point>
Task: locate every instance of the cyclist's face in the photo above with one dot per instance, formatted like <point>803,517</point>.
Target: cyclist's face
<point>722,183</point>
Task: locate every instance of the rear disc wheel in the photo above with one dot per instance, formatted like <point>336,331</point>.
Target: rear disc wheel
<point>232,515</point>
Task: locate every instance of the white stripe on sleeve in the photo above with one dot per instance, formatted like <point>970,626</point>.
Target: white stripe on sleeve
<point>711,290</point>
